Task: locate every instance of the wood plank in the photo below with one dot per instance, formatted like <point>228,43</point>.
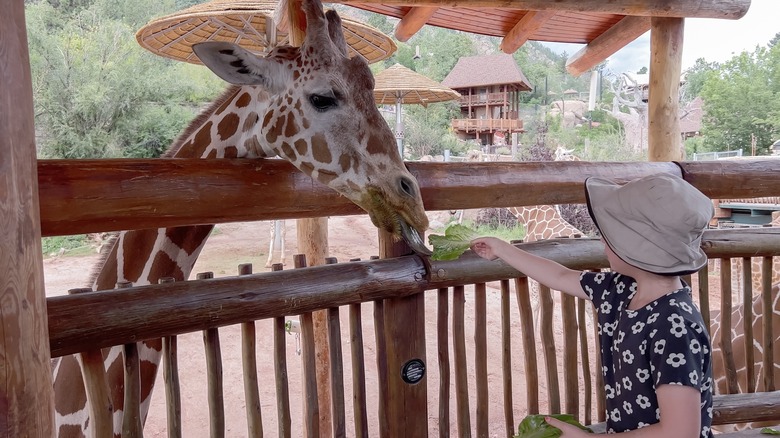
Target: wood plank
<point>443,341</point>
<point>254,415</point>
<point>82,196</point>
<point>311,415</point>
<point>524,29</point>
<point>587,384</point>
<point>547,338</point>
<point>359,410</point>
<point>170,354</point>
<point>506,360</point>
<point>607,44</point>
<point>747,322</point>
<point>413,21</point>
<point>728,9</point>
<point>480,358</point>
<point>27,390</point>
<point>769,332</point>
<point>461,367</point>
<point>337,408</point>
<point>663,109</point>
<point>725,321</point>
<point>529,344</point>
<point>570,375</point>
<point>744,408</point>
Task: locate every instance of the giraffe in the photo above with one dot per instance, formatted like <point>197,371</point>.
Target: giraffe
<point>738,336</point>
<point>544,222</point>
<point>739,348</point>
<point>312,106</point>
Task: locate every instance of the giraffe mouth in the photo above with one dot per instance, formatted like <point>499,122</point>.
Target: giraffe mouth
<point>413,239</point>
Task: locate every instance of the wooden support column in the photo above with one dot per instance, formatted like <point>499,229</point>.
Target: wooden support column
<point>27,407</point>
<point>405,404</point>
<point>666,45</point>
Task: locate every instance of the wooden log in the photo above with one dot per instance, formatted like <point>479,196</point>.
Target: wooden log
<point>443,341</point>
<point>311,415</point>
<point>132,426</point>
<point>122,316</point>
<point>607,44</point>
<point>728,9</point>
<point>404,324</point>
<point>312,237</point>
<point>27,391</point>
<point>725,321</point>
<point>769,332</point>
<point>480,358</point>
<point>413,21</point>
<point>570,377</point>
<point>524,29</point>
<point>600,389</point>
<point>171,379</point>
<point>254,415</point>
<point>214,375</point>
<point>743,408</point>
<point>96,387</point>
<point>548,348</point>
<point>747,322</point>
<point>359,410</point>
<point>82,196</point>
<point>461,368</point>
<point>663,132</point>
<point>338,414</point>
<point>704,295</point>
<point>280,372</point>
<point>587,385</point>
<point>529,344</point>
<point>381,366</point>
<point>506,359</point>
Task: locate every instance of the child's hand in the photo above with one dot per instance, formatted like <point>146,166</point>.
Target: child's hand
<point>485,247</point>
<point>567,430</point>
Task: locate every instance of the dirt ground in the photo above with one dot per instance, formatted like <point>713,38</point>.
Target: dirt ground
<point>349,237</point>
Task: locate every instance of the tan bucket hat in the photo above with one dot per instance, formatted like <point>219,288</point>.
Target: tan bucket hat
<point>654,223</point>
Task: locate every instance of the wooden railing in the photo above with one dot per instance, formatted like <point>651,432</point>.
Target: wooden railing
<point>479,125</point>
<point>123,316</point>
<point>483,99</point>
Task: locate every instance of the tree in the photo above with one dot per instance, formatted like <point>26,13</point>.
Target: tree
<point>97,93</point>
<point>742,100</point>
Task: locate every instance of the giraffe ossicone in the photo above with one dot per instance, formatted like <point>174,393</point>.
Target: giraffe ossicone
<point>321,116</point>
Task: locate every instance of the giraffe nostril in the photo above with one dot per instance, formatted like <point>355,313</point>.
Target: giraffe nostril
<point>407,186</point>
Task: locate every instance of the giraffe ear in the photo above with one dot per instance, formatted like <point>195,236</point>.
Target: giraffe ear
<point>238,66</point>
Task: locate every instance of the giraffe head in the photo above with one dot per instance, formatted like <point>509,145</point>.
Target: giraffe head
<point>319,113</point>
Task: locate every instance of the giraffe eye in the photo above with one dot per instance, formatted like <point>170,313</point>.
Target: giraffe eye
<point>407,187</point>
<point>322,102</point>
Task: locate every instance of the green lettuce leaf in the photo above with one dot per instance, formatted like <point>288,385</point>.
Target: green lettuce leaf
<point>534,426</point>
<point>770,431</point>
<point>453,243</point>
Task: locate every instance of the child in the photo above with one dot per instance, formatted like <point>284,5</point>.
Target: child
<point>655,349</point>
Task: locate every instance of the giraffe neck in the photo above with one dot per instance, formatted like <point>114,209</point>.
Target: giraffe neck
<point>543,222</point>
<point>223,130</point>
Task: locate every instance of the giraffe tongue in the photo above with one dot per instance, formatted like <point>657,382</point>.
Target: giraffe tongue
<point>413,239</point>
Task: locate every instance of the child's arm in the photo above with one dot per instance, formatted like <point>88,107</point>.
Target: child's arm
<point>550,273</point>
<point>680,416</point>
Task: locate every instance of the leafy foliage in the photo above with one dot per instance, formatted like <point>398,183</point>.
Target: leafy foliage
<point>97,92</point>
<point>534,426</point>
<point>453,243</point>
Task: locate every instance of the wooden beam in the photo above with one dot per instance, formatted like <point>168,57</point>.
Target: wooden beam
<point>413,21</point>
<point>527,26</point>
<point>605,45</point>
<point>728,9</point>
<point>663,131</point>
<point>27,407</point>
<point>120,316</point>
<point>84,196</point>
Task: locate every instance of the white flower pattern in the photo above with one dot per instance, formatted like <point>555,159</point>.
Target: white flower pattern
<point>661,343</point>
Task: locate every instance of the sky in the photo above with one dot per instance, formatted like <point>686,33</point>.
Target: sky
<point>711,39</point>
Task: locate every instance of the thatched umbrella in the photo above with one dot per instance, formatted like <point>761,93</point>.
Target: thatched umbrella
<point>400,85</point>
<point>247,23</point>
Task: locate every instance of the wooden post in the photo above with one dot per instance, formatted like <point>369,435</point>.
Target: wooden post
<point>313,243</point>
<point>27,408</point>
<point>666,45</point>
<point>406,404</point>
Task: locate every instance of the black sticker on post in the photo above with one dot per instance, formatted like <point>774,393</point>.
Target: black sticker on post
<point>413,371</point>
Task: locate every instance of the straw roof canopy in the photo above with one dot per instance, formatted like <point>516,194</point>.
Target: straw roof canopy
<point>247,23</point>
<point>399,82</point>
